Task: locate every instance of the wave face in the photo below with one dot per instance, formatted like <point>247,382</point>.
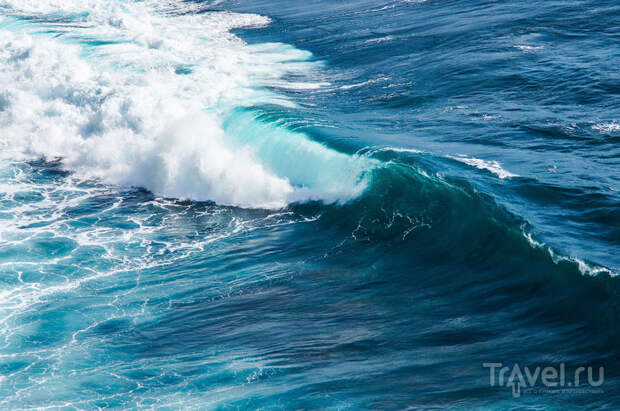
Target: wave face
<point>266,205</point>
<point>135,95</point>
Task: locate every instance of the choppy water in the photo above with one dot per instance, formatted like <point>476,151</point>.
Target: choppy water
<point>256,204</point>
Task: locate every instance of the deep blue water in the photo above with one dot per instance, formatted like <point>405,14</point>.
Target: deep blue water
<point>288,205</point>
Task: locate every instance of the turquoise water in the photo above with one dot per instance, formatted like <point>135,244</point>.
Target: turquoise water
<point>257,205</point>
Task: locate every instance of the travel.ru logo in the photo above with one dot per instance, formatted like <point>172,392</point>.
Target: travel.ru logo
<point>547,380</point>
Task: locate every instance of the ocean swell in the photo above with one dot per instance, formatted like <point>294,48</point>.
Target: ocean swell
<point>134,96</point>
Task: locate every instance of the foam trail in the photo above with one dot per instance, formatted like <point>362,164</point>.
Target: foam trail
<point>489,165</point>
<point>131,94</point>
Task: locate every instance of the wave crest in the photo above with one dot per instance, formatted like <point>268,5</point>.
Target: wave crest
<point>130,97</point>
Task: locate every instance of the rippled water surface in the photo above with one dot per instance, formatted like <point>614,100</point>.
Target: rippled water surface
<point>283,205</point>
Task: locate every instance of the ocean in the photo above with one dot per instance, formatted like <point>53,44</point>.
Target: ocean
<point>252,204</point>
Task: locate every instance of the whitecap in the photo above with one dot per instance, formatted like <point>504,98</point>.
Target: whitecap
<point>606,128</point>
<point>121,111</point>
<point>490,165</point>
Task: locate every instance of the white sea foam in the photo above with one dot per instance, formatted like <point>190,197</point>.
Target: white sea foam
<point>606,127</point>
<point>373,150</point>
<point>364,83</point>
<point>489,165</point>
<point>582,266</point>
<point>134,95</point>
<point>379,40</point>
<point>524,47</point>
